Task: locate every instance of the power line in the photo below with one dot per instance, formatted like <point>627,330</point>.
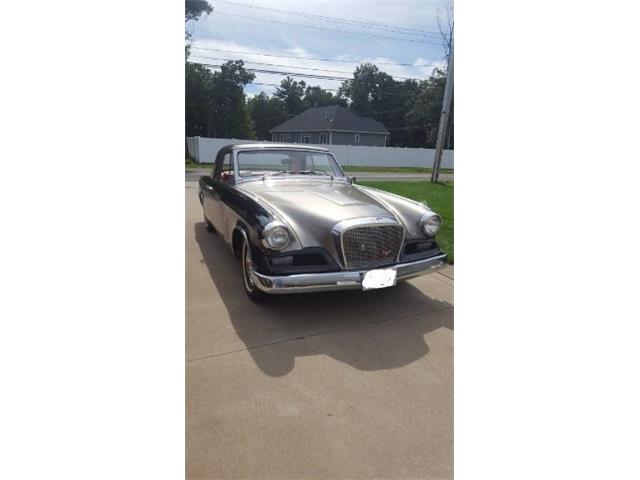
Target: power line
<point>278,86</point>
<point>277,65</point>
<point>333,60</point>
<point>351,32</point>
<point>293,66</point>
<point>275,72</point>
<point>390,28</point>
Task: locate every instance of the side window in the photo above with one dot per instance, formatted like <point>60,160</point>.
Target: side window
<point>224,169</point>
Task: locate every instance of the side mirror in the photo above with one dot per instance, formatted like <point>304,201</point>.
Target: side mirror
<point>352,180</point>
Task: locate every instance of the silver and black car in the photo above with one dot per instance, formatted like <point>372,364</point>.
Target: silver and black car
<point>299,224</point>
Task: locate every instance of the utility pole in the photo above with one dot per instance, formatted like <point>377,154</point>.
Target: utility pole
<point>444,118</point>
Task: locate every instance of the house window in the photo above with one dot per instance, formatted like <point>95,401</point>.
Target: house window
<point>323,138</point>
<point>282,137</point>
<point>306,138</point>
<point>357,139</point>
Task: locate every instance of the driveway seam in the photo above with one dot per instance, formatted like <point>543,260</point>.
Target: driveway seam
<point>435,275</point>
<point>447,276</point>
<point>317,334</point>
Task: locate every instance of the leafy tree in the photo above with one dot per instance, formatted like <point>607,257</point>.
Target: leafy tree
<point>291,92</point>
<point>199,100</point>
<point>410,109</point>
<point>266,112</point>
<point>318,97</point>
<point>215,103</point>
<point>427,105</point>
<point>232,117</point>
<point>394,115</point>
<point>368,88</point>
<point>193,9</point>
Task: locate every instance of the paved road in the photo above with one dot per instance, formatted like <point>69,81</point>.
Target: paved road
<point>194,176</point>
<point>327,385</point>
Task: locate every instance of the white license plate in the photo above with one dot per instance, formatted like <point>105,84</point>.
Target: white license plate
<point>379,279</point>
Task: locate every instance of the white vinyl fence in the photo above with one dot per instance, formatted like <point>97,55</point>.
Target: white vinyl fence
<point>204,150</point>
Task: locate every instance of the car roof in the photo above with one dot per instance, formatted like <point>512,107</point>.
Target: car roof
<point>275,146</point>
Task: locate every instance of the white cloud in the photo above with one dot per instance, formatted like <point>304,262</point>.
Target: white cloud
<point>215,51</point>
<point>237,34</point>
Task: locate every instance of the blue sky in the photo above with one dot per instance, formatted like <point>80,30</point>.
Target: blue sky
<point>244,29</point>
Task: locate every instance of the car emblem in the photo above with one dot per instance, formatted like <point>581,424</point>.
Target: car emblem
<point>362,247</point>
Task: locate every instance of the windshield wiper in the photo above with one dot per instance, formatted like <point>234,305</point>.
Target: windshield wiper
<point>299,172</point>
<point>314,172</point>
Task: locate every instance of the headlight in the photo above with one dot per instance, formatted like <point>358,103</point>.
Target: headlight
<point>430,223</point>
<point>275,236</point>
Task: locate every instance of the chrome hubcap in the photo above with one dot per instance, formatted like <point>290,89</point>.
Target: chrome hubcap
<point>247,267</point>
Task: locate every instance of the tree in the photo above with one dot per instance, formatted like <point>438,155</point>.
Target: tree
<point>376,94</point>
<point>318,97</point>
<point>427,104</point>
<point>291,92</point>
<point>394,117</point>
<point>266,112</point>
<point>193,9</point>
<point>199,100</point>
<point>409,109</point>
<point>215,103</point>
<point>232,117</point>
<point>367,90</point>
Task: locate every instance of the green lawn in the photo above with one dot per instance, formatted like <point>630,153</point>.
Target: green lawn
<point>438,197</point>
<point>191,164</point>
<point>356,168</point>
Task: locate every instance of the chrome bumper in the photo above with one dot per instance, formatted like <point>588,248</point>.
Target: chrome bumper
<point>344,280</point>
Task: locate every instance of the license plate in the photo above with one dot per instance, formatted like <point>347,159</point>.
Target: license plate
<point>379,279</point>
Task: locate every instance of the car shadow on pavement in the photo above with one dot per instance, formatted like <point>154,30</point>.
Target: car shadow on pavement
<point>391,322</point>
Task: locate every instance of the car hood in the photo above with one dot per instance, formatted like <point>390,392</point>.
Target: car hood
<point>313,206</point>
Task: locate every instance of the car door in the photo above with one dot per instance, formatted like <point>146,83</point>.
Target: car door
<point>212,199</point>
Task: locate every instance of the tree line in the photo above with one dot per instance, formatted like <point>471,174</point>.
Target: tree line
<point>216,104</point>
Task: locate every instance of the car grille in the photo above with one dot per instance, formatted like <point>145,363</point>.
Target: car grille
<point>371,246</point>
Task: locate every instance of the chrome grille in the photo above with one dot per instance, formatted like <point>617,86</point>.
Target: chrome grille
<point>371,246</point>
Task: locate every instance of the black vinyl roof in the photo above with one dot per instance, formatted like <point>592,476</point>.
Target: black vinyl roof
<point>330,118</point>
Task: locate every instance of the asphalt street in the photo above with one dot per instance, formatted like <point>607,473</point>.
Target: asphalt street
<point>326,385</point>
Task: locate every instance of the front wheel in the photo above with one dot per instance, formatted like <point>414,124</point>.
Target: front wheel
<point>253,292</point>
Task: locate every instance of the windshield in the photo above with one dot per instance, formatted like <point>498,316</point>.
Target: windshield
<point>287,162</point>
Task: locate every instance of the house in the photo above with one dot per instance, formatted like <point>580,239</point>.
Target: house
<point>333,125</point>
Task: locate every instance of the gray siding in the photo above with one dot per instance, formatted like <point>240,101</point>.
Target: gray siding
<point>366,139</point>
<point>296,137</point>
<point>338,138</point>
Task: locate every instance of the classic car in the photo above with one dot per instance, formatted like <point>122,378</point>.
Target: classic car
<point>299,224</point>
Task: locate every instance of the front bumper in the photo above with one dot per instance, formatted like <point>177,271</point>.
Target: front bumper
<point>344,280</point>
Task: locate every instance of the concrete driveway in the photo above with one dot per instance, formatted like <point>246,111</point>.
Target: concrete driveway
<point>327,385</point>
